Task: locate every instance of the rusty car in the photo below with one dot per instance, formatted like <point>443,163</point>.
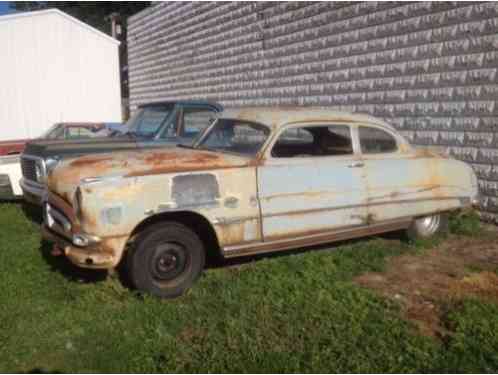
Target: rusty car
<point>10,165</point>
<point>153,125</point>
<point>256,180</point>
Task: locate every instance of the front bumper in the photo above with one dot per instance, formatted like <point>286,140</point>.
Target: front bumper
<point>6,190</point>
<point>32,191</point>
<point>62,227</point>
<point>93,256</point>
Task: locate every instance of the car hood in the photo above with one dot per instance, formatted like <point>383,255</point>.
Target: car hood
<point>46,148</point>
<point>66,177</point>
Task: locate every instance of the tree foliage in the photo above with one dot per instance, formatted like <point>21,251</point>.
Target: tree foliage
<point>92,13</point>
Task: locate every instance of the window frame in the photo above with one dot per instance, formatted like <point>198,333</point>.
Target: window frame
<point>381,128</point>
<point>262,150</point>
<point>195,108</point>
<point>354,140</point>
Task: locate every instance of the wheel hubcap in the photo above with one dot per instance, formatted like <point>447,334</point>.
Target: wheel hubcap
<point>168,261</point>
<point>428,225</point>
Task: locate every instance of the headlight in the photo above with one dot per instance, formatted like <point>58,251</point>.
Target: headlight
<point>40,176</point>
<point>50,164</point>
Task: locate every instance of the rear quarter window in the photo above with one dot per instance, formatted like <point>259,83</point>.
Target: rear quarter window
<point>376,141</point>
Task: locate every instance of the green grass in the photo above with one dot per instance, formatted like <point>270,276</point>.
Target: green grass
<point>299,312</point>
<point>466,223</point>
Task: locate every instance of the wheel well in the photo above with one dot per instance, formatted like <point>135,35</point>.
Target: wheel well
<point>198,223</point>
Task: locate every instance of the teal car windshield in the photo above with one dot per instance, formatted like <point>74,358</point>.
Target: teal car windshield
<point>148,121</point>
<point>234,136</point>
<point>54,132</point>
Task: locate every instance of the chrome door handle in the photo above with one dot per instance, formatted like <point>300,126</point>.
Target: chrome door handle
<point>356,164</point>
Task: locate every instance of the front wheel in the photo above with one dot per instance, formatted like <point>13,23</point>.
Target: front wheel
<point>428,226</point>
<point>166,259</point>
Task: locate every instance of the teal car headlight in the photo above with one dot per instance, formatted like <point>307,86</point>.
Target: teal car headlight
<point>50,164</point>
<point>39,173</point>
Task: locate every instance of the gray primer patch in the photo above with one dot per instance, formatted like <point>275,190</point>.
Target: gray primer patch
<point>195,190</point>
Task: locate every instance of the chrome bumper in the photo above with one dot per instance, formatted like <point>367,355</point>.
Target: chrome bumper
<point>6,190</point>
<point>60,226</point>
<point>85,257</point>
<point>32,191</point>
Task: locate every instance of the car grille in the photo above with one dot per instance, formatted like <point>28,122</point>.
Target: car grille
<point>56,220</point>
<point>28,167</point>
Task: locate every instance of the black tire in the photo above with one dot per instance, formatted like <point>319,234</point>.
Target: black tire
<point>428,226</point>
<point>166,259</point>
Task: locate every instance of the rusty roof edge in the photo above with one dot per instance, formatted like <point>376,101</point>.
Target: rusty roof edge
<point>277,117</point>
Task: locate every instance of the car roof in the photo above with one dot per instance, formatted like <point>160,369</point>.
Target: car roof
<point>279,116</point>
<point>217,106</point>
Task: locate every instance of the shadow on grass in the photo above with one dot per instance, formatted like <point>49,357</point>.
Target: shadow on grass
<point>77,274</point>
<point>71,272</point>
<point>41,370</point>
<point>220,262</point>
<point>33,213</point>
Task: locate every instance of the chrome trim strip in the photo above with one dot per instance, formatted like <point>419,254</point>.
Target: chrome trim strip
<point>93,180</point>
<point>32,188</point>
<point>315,239</point>
<point>233,220</point>
<point>36,159</point>
<point>4,180</point>
<point>66,224</point>
<point>10,159</point>
<point>383,203</point>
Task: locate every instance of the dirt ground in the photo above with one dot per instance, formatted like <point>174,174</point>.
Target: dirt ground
<point>426,284</point>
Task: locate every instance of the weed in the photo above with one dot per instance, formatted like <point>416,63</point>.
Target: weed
<point>295,312</point>
<point>466,223</point>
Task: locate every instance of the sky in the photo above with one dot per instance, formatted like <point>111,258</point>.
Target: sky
<point>4,7</point>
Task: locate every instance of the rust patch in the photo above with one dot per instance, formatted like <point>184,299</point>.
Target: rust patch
<point>310,238</point>
<point>231,234</point>
<point>89,220</point>
<point>141,163</point>
<point>124,192</point>
<point>165,157</point>
<point>422,284</point>
<point>306,194</point>
<point>89,161</point>
<point>171,162</point>
<point>195,189</point>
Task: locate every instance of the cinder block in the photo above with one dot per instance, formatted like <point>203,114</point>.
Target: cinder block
<point>430,68</point>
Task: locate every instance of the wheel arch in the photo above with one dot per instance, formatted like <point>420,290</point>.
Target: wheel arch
<point>193,220</point>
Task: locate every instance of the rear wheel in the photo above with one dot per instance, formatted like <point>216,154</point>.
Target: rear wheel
<point>428,226</point>
<point>166,259</point>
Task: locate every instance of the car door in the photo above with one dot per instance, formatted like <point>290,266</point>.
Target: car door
<point>398,184</point>
<point>311,182</point>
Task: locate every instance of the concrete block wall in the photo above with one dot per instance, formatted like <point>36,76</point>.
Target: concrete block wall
<point>428,68</point>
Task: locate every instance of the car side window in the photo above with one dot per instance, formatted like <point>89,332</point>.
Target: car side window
<point>376,141</point>
<point>78,132</point>
<point>310,141</point>
<point>150,121</point>
<point>195,120</point>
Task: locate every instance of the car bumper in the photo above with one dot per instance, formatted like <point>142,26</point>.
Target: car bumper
<point>32,191</point>
<point>6,188</point>
<point>92,256</point>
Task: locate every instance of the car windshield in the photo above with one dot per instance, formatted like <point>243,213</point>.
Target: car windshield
<point>54,132</point>
<point>148,121</point>
<point>234,136</point>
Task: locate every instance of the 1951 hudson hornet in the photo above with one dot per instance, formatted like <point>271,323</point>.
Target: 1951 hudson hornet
<point>257,180</point>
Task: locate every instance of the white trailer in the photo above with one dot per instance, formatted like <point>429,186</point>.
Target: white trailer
<point>54,68</point>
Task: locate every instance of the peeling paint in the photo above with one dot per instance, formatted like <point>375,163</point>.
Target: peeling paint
<point>255,202</point>
<point>193,190</point>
